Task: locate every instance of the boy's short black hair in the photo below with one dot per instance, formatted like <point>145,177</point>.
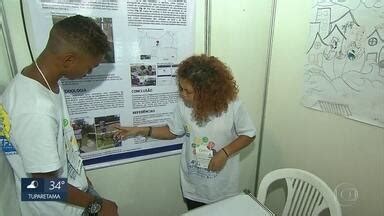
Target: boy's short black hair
<point>81,33</point>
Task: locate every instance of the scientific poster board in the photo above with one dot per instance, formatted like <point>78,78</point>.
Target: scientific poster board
<point>135,85</point>
<point>344,71</point>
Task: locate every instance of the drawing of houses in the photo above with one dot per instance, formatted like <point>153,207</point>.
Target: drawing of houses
<point>374,47</point>
<point>315,51</point>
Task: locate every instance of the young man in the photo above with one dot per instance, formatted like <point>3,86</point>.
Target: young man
<point>35,121</point>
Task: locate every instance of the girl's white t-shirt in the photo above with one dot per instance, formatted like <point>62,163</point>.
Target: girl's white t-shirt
<point>197,182</point>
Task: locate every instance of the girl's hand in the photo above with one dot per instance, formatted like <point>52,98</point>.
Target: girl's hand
<point>125,132</point>
<point>218,161</point>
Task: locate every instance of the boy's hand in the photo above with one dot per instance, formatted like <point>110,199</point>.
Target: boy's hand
<point>108,208</point>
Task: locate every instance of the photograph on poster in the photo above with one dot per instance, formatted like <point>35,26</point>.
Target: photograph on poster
<point>94,134</point>
<point>143,75</point>
<point>84,130</point>
<point>166,74</point>
<point>104,129</point>
<point>106,26</point>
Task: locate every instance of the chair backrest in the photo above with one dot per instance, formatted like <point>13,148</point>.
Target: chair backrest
<point>307,194</point>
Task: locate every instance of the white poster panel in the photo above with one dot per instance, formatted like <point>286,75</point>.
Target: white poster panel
<point>344,71</point>
<point>135,85</point>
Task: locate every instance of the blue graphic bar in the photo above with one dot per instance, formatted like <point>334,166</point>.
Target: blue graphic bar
<point>132,154</point>
<point>39,189</point>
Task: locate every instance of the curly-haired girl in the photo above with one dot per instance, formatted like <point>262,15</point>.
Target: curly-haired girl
<point>216,127</point>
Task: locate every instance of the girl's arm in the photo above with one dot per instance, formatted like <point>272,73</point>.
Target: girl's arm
<point>220,158</point>
<point>153,132</point>
<point>236,145</point>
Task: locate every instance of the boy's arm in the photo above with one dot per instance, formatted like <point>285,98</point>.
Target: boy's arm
<point>80,198</point>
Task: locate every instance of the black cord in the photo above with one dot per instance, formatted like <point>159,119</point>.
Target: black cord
<point>25,30</point>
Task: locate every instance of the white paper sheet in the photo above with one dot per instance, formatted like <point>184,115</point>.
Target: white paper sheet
<point>342,73</point>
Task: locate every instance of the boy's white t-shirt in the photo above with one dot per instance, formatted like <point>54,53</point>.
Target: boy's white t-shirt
<point>41,140</point>
<point>197,182</point>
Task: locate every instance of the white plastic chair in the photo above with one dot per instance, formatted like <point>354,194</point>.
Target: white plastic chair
<point>307,194</point>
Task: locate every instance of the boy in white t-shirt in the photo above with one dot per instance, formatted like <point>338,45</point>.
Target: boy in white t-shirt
<point>40,141</point>
<point>216,127</point>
